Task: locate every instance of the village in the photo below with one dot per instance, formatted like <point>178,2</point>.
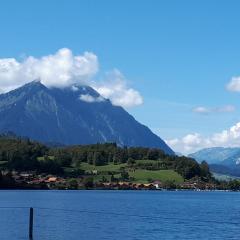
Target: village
<point>49,181</point>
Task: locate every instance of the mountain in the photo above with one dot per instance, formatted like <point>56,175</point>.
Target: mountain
<point>221,160</point>
<point>73,115</point>
<point>233,171</point>
<point>218,155</point>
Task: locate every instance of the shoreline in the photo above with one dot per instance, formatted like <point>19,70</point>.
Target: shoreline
<point>113,190</point>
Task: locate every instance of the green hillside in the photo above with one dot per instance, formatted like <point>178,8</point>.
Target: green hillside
<point>100,162</point>
<point>144,176</point>
<point>139,175</point>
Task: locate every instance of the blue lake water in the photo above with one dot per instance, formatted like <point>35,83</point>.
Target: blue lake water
<point>118,215</point>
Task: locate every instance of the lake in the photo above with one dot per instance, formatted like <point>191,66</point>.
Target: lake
<point>118,215</point>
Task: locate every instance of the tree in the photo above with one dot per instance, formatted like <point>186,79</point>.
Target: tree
<point>118,156</point>
<point>205,171</point>
<point>124,175</point>
<point>234,185</point>
<point>131,161</point>
<point>63,158</point>
<point>153,154</point>
<point>88,182</point>
<point>72,184</point>
<point>104,179</point>
<point>112,178</point>
<point>187,167</point>
<point>97,159</point>
<point>50,166</point>
<point>90,158</point>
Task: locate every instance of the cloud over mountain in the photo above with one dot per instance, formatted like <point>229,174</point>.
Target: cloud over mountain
<point>64,69</point>
<point>115,87</point>
<point>58,70</point>
<point>193,142</point>
<point>90,99</point>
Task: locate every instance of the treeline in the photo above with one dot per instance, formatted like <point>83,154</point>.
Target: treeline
<point>102,154</point>
<point>20,148</point>
<point>22,154</point>
<point>232,185</point>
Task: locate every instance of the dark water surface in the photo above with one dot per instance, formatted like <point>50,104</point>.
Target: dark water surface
<point>120,215</point>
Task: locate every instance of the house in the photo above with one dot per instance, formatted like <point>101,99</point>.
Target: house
<point>157,184</point>
<point>52,179</point>
<point>148,186</point>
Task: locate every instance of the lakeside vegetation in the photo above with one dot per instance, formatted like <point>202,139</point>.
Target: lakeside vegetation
<point>99,166</point>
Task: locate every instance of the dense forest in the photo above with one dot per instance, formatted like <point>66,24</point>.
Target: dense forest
<point>113,163</point>
<point>102,154</point>
<point>22,154</point>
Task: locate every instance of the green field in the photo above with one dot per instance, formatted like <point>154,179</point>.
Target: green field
<point>142,176</point>
<point>97,178</point>
<point>139,175</point>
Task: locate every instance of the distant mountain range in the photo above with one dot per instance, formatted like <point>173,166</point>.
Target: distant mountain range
<point>222,160</point>
<point>218,155</point>
<point>73,115</point>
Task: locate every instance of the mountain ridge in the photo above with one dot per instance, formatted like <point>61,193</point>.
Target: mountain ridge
<point>222,160</point>
<point>73,115</point>
<point>226,156</point>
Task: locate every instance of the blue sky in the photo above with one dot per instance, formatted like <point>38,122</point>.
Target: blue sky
<point>179,55</point>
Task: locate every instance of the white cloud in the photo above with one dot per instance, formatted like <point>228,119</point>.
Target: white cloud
<point>116,89</point>
<point>201,109</point>
<point>234,84</point>
<point>58,70</point>
<point>194,142</point>
<point>206,110</point>
<point>90,99</point>
<point>189,143</point>
<point>227,108</point>
<point>64,69</point>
